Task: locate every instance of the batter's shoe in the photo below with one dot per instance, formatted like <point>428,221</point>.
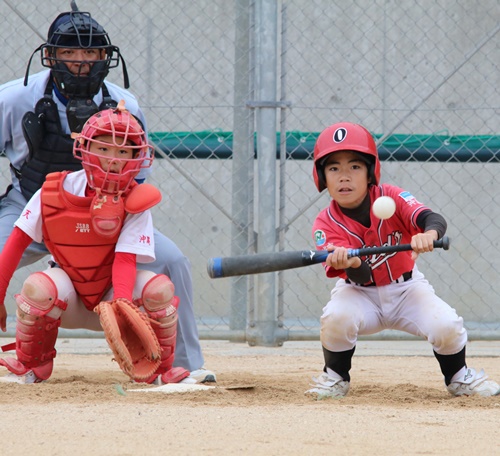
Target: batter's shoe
<point>474,383</point>
<point>200,376</point>
<point>27,378</point>
<point>326,386</point>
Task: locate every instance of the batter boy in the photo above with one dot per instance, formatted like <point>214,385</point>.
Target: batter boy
<point>383,291</point>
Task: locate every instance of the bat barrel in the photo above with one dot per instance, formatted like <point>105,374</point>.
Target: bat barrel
<point>262,262</point>
<point>214,267</point>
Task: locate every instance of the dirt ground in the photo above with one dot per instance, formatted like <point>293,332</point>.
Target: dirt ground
<point>397,406</point>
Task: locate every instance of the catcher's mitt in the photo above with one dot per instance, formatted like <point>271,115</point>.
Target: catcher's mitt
<point>130,337</point>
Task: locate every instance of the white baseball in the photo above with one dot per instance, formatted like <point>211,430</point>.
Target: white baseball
<point>384,207</point>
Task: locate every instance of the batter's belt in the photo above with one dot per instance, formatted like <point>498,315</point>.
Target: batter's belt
<point>404,278</point>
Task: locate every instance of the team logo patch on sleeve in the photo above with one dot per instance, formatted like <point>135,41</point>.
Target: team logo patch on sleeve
<point>319,237</point>
<point>408,198</point>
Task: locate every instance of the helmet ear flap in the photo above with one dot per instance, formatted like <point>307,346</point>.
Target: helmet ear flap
<point>371,174</point>
<point>320,171</point>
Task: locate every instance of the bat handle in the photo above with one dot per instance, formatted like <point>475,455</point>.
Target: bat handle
<point>443,243</point>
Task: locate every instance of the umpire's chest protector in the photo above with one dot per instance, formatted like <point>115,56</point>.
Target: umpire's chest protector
<point>50,149</point>
<point>84,254</point>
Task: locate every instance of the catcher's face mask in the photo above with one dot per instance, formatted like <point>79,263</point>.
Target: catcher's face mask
<point>79,53</point>
<point>113,148</point>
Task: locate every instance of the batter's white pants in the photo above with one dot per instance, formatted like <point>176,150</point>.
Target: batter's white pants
<point>410,306</point>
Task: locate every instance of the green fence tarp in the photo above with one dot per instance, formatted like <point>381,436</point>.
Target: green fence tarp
<point>212,144</point>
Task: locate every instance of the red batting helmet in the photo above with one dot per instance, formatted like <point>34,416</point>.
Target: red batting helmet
<point>127,133</point>
<point>345,136</point>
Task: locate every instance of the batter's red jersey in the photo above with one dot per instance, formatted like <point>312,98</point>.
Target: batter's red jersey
<point>332,227</point>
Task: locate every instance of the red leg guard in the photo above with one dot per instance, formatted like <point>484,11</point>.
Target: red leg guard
<point>35,342</point>
<point>38,321</point>
<point>161,307</point>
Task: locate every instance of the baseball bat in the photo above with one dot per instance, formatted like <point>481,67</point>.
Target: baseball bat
<point>278,261</point>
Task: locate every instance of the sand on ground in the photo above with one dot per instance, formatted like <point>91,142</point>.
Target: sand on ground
<point>397,405</point>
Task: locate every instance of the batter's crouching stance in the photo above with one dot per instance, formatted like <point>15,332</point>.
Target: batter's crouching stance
<point>380,292</point>
<point>97,225</point>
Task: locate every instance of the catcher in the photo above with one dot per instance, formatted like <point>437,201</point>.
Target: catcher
<point>97,225</point>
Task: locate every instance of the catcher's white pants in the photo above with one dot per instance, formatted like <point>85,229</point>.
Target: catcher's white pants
<point>77,315</point>
<point>410,306</point>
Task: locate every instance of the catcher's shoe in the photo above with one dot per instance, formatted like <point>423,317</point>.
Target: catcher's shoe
<point>474,383</point>
<point>327,386</point>
<point>24,379</point>
<point>200,376</point>
<point>172,375</point>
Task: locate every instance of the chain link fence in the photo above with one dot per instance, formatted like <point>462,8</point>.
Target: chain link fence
<point>217,79</point>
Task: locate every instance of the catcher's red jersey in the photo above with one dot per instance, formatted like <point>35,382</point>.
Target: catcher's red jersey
<point>332,227</point>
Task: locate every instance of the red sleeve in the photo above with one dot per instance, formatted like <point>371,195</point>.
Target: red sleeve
<point>324,236</point>
<point>124,273</point>
<point>10,257</point>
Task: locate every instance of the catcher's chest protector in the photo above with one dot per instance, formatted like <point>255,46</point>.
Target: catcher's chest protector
<point>86,256</point>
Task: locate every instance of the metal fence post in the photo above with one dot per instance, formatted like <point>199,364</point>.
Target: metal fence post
<point>242,163</point>
<point>264,330</point>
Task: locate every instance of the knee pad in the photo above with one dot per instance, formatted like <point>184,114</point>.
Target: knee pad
<point>158,296</point>
<point>39,296</point>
